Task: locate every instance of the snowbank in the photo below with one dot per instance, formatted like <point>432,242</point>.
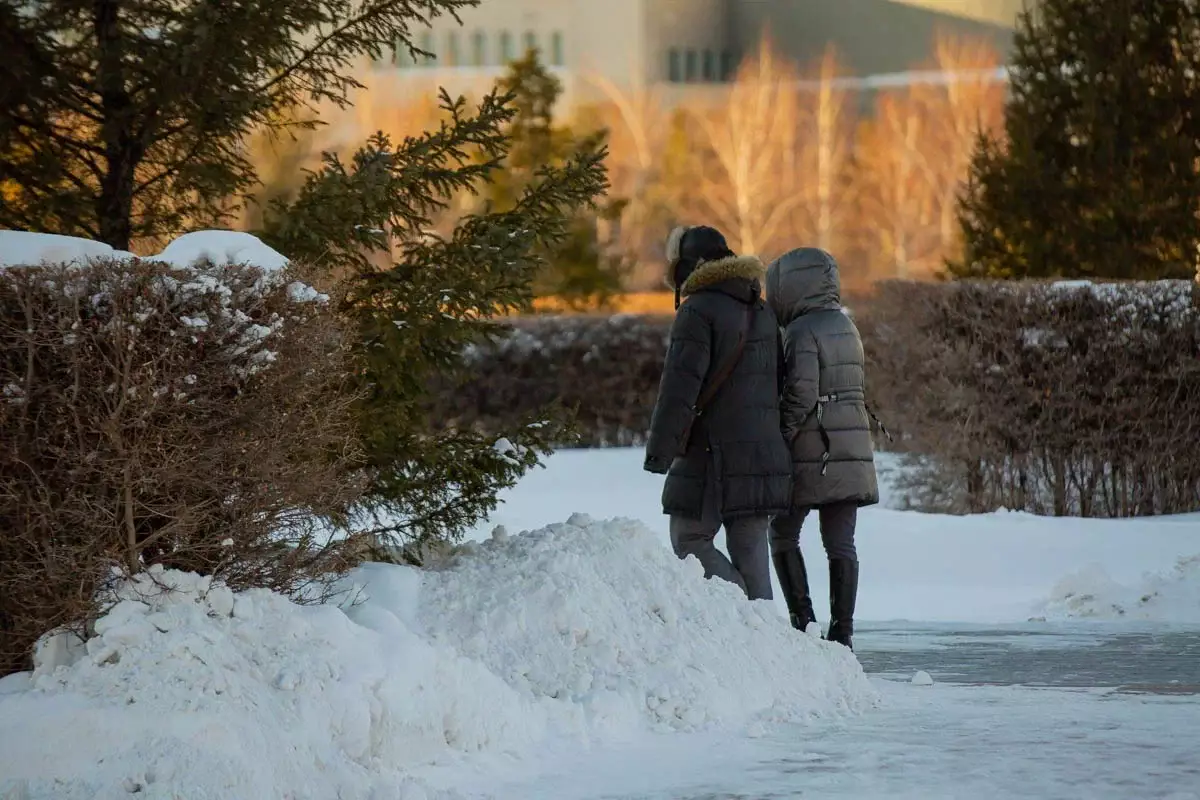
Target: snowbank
<point>589,631</point>
<point>601,615</point>
<point>983,568</point>
<point>1172,596</point>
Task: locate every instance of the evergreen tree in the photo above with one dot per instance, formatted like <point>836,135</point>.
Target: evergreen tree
<point>123,120</point>
<point>1097,174</point>
<point>420,299</point>
<point>582,269</point>
<point>126,119</point>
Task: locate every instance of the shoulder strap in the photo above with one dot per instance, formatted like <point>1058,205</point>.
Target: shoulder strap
<point>726,369</point>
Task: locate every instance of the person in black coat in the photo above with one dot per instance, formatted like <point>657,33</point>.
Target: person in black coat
<point>715,432</point>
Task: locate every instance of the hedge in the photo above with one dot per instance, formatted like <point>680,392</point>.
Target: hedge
<point>1054,398</point>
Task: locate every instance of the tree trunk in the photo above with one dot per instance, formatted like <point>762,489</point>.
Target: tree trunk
<point>114,204</point>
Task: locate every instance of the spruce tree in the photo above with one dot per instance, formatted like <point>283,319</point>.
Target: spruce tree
<point>583,269</point>
<point>421,299</point>
<point>127,120</point>
<point>1096,173</point>
<point>123,120</point>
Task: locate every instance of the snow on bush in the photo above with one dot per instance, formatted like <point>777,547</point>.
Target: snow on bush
<point>589,630</point>
<point>1161,597</point>
<point>220,247</point>
<point>150,410</point>
<point>25,249</point>
<point>215,278</point>
<point>230,269</point>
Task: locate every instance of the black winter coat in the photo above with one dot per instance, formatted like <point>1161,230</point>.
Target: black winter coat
<point>824,408</point>
<point>736,449</point>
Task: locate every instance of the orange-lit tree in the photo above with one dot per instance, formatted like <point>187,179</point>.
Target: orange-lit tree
<point>749,185</point>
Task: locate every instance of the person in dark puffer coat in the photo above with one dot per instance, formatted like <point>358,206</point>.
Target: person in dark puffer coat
<point>828,427</point>
<point>735,469</point>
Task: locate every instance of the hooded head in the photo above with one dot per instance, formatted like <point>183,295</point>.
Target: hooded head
<point>803,280</point>
<point>688,248</point>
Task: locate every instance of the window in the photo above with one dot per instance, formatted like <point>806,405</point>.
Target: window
<point>479,49</point>
<point>710,66</point>
<point>556,49</point>
<point>530,41</point>
<point>453,57</point>
<point>506,47</point>
<point>689,68</point>
<point>728,65</point>
<point>674,69</point>
<point>427,46</point>
<point>401,57</point>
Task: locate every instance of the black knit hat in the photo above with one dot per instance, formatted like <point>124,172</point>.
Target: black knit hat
<point>687,248</point>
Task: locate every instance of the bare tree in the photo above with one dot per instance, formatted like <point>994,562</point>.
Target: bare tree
<point>752,189</point>
<point>896,182</point>
<point>638,120</point>
<point>969,100</point>
<point>912,157</point>
<point>827,140</point>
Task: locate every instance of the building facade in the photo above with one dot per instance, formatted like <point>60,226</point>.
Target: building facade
<point>682,42</point>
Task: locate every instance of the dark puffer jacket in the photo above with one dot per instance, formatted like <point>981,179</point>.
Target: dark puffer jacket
<point>824,384</point>
<point>735,448</point>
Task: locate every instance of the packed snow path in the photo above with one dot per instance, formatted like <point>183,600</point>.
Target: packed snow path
<point>1072,712</point>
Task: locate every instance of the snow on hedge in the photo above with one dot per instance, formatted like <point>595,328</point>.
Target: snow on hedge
<point>1092,593</point>
<point>215,285</point>
<point>24,249</point>
<point>583,630</point>
<point>219,248</point>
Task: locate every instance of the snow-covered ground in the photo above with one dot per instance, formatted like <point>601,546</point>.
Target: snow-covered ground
<point>992,568</point>
<point>584,632</point>
<point>584,661</point>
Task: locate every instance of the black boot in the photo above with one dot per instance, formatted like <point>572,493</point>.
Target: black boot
<point>793,580</point>
<point>843,589</point>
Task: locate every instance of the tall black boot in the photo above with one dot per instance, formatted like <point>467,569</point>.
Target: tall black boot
<point>793,580</point>
<point>843,589</point>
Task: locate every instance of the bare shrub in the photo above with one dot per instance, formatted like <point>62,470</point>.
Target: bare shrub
<point>199,419</point>
<point>1062,399</point>
<point>606,369</point>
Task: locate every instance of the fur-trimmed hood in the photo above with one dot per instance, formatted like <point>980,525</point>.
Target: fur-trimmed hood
<point>710,273</point>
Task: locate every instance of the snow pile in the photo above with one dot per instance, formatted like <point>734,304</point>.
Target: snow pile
<point>603,616</point>
<point>585,630</point>
<point>201,693</point>
<point>1160,597</point>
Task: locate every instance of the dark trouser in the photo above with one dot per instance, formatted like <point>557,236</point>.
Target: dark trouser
<point>837,530</point>
<point>749,562</point>
<point>838,521</point>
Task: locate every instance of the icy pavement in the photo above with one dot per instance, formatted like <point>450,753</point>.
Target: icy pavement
<point>1034,711</point>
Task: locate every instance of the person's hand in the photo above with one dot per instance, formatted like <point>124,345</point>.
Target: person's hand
<point>658,466</point>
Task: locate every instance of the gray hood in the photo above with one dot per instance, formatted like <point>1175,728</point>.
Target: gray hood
<point>801,281</point>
